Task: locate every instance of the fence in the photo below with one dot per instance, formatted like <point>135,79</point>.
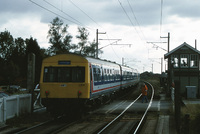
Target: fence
<point>172,94</point>
<point>14,106</point>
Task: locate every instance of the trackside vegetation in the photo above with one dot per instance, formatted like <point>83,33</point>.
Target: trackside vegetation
<point>14,51</point>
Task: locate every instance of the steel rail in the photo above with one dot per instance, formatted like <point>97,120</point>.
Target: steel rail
<point>139,124</point>
<point>152,94</point>
<point>119,114</point>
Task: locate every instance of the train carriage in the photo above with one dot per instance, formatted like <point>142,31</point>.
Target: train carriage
<point>105,77</point>
<point>68,79</point>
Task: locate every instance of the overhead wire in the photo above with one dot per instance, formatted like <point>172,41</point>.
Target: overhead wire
<point>73,19</point>
<point>129,19</point>
<point>136,19</point>
<point>137,23</point>
<point>63,12</point>
<point>52,12</point>
<point>84,12</point>
<point>93,21</point>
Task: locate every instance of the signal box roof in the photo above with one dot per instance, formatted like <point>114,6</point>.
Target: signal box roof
<point>183,49</point>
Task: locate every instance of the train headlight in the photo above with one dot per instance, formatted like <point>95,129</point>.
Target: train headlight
<point>79,93</point>
<point>46,93</point>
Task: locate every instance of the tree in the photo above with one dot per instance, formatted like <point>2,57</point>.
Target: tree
<point>83,37</point>
<point>91,49</point>
<point>85,47</point>
<point>6,45</point>
<point>33,47</point>
<point>18,56</point>
<point>8,69</point>
<point>59,37</point>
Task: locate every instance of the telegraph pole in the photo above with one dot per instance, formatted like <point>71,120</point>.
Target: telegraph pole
<point>97,33</point>
<point>161,65</point>
<point>122,61</point>
<point>168,37</point>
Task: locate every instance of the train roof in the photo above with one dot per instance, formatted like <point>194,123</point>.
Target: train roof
<point>100,61</point>
<point>94,60</point>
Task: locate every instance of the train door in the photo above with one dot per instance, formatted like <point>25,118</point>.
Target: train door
<point>121,77</point>
<point>91,80</point>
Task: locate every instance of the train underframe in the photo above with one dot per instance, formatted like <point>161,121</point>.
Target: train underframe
<point>79,105</point>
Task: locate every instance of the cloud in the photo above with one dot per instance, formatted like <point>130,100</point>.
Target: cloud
<point>185,9</point>
<point>23,19</point>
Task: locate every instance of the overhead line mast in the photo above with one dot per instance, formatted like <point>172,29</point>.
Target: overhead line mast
<point>97,43</point>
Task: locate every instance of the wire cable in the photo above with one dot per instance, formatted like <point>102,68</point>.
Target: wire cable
<point>63,12</point>
<point>161,15</point>
<point>84,12</point>
<point>129,19</point>
<point>136,19</point>
<point>56,13</point>
<point>51,11</point>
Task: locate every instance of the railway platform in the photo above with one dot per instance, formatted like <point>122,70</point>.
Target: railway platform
<point>166,121</point>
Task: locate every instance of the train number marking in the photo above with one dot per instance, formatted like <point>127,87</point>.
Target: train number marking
<point>63,85</point>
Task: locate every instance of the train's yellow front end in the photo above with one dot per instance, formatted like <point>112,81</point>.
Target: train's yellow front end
<point>65,76</point>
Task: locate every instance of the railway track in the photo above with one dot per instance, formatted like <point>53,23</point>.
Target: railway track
<point>127,121</point>
<point>118,125</point>
<point>50,126</point>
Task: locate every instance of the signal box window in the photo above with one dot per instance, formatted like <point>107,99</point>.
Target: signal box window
<point>174,61</point>
<point>193,61</point>
<point>184,60</point>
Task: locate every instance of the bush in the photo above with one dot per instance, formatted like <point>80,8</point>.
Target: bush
<point>194,111</point>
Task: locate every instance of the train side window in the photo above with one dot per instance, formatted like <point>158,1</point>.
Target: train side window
<point>104,74</point>
<point>99,74</point>
<point>124,75</point>
<point>95,74</point>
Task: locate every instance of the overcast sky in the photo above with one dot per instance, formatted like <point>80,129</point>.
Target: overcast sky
<point>134,22</point>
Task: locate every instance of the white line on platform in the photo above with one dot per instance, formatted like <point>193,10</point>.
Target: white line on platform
<point>159,106</point>
<point>116,106</point>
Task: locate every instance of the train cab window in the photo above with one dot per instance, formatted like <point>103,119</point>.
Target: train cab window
<point>78,74</point>
<point>49,74</point>
<point>64,74</point>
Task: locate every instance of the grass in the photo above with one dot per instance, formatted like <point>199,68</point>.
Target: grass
<point>194,111</point>
<point>27,120</point>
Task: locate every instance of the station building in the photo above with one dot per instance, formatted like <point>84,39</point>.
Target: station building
<point>184,66</point>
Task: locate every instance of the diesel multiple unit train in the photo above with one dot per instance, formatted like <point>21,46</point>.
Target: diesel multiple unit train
<point>71,79</point>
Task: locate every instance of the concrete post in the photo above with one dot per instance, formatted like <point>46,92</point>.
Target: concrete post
<point>177,105</point>
<point>31,76</point>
